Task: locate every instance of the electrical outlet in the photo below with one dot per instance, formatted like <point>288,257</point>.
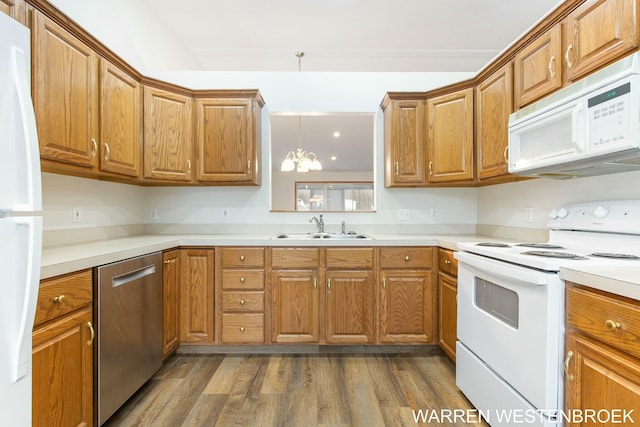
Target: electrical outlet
<point>153,214</point>
<point>528,216</point>
<point>404,214</point>
<point>226,213</point>
<point>76,214</point>
<point>434,213</point>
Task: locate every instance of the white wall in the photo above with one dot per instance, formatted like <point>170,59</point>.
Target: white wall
<point>505,204</point>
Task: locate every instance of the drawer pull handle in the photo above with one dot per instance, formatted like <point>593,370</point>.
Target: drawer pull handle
<point>170,261</point>
<point>447,261</point>
<point>241,302</point>
<point>241,257</point>
<point>612,325</point>
<point>406,258</point>
<point>241,328</point>
<point>567,375</point>
<point>242,280</point>
<point>59,299</point>
<point>93,334</point>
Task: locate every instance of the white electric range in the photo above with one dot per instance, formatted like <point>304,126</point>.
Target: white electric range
<point>511,308</point>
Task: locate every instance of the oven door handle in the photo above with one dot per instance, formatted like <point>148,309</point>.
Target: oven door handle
<point>504,269</point>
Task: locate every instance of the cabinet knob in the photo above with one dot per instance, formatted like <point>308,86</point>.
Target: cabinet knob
<point>241,257</point>
<point>59,299</point>
<point>241,328</point>
<point>612,325</point>
<point>241,302</point>
<point>242,280</point>
<point>406,258</point>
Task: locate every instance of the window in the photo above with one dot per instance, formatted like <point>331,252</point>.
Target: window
<point>334,196</point>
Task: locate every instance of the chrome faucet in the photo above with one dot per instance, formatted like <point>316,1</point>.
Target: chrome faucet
<point>319,223</point>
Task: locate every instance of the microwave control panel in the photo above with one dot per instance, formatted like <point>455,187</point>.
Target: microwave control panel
<point>609,115</point>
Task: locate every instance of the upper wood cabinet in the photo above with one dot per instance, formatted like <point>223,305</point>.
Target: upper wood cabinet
<point>65,93</point>
<point>404,140</point>
<point>228,138</point>
<point>120,108</point>
<point>537,68</point>
<point>14,9</point>
<point>494,103</point>
<point>598,32</point>
<point>450,137</point>
<point>168,142</point>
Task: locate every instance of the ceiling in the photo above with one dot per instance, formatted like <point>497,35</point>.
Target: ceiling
<point>348,35</point>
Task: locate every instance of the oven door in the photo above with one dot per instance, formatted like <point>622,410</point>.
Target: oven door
<point>511,318</point>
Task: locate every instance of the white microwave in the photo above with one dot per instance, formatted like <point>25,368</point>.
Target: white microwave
<point>591,127</point>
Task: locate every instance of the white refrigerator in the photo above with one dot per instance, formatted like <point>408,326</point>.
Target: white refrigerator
<point>20,222</point>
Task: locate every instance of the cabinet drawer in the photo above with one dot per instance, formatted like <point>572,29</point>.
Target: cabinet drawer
<point>406,257</point>
<point>243,302</point>
<point>62,295</point>
<point>447,262</point>
<point>242,257</point>
<point>243,279</point>
<point>242,328</point>
<point>295,258</point>
<point>351,258</point>
<point>612,320</point>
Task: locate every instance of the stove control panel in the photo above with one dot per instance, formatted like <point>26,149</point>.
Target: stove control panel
<point>613,216</point>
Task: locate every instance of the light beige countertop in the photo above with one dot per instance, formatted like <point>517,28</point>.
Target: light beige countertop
<point>67,259</point>
<point>620,280</point>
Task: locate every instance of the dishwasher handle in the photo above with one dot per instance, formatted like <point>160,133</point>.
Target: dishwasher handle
<point>131,276</point>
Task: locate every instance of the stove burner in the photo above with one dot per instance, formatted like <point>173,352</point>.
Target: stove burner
<point>493,244</point>
<point>614,256</point>
<point>553,254</point>
<point>540,245</point>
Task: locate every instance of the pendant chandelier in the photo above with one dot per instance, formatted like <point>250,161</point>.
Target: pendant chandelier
<point>300,160</point>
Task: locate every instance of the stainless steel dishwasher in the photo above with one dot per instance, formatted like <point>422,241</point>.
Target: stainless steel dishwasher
<point>129,329</point>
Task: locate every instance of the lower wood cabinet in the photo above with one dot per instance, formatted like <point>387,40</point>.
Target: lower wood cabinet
<point>197,296</point>
<point>170,301</point>
<point>63,339</point>
<point>447,302</point>
<point>407,309</point>
<point>602,360</point>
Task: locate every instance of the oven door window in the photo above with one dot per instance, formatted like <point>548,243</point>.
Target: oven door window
<point>497,301</point>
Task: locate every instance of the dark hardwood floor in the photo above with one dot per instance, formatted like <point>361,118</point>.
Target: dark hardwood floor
<point>296,390</point>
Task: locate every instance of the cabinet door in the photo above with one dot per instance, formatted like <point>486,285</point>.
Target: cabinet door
<point>599,32</point>
<point>349,307</point>
<point>120,143</point>
<point>226,140</point>
<point>407,307</point>
<point>538,68</point>
<point>196,296</point>
<point>598,378</point>
<point>63,372</point>
<point>494,103</point>
<point>14,9</point>
<point>448,311</point>
<point>168,143</point>
<point>450,137</point>
<point>405,143</point>
<point>295,306</point>
<point>170,301</point>
<point>65,94</point>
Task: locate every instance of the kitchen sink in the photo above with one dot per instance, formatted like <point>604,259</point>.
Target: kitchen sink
<point>332,236</point>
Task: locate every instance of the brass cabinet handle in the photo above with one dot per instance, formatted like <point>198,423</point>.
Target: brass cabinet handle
<point>107,152</point>
<point>567,375</point>
<point>241,257</point>
<point>248,167</point>
<point>93,334</point>
<point>397,168</point>
<point>59,299</point>
<point>566,56</point>
<point>169,261</point>
<point>406,258</point>
<point>241,328</point>
<point>506,154</point>
<point>241,302</point>
<point>94,146</point>
<point>315,283</point>
<point>384,283</point>
<point>430,168</point>
<point>447,261</point>
<point>242,279</point>
<point>188,167</point>
<point>329,285</point>
<point>612,325</point>
<point>551,66</point>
